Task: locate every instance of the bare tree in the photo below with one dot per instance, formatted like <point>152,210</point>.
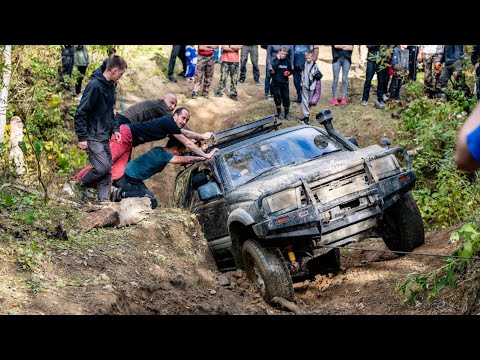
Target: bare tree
<point>7,62</point>
<point>16,137</point>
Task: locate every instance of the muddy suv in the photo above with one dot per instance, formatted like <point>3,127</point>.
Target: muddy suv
<point>279,203</point>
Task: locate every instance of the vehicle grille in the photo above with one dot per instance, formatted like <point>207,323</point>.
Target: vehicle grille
<point>328,189</point>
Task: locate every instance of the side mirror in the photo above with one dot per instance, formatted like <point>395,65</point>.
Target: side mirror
<point>386,142</point>
<point>209,191</point>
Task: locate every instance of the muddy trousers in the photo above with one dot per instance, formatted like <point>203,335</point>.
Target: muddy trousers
<point>135,188</point>
<point>120,154</point>
<point>101,159</point>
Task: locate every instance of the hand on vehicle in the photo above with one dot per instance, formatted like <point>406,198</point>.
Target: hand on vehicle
<point>207,135</point>
<point>213,152</point>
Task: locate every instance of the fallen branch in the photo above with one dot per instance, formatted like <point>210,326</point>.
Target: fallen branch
<point>129,211</point>
<point>286,304</point>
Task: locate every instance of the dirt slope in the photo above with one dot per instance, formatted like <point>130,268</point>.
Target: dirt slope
<point>163,265</point>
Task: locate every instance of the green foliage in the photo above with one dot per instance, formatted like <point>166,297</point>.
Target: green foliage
<point>6,199</point>
<point>418,287</point>
<point>452,197</point>
<point>28,217</point>
<point>413,90</point>
<point>35,96</point>
<point>445,195</point>
<point>384,56</point>
<point>28,255</point>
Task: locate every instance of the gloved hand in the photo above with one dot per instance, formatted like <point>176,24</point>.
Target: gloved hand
<point>286,73</point>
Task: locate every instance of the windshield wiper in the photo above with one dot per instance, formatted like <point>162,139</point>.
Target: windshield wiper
<point>317,156</point>
<point>268,171</point>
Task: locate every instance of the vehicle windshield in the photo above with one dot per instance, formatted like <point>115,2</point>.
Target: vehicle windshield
<point>248,162</point>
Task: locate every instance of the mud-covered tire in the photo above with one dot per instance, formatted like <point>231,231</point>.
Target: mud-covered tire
<point>402,226</point>
<point>267,268</point>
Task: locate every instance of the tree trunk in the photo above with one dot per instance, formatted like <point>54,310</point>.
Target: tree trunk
<point>7,69</point>
<point>16,136</point>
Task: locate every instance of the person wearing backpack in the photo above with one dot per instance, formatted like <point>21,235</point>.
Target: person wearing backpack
<point>309,77</point>
<point>81,61</point>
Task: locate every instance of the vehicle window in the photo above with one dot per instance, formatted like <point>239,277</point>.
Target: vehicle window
<point>293,147</point>
<point>199,177</point>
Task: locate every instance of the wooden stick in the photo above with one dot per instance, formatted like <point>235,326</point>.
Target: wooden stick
<point>286,304</point>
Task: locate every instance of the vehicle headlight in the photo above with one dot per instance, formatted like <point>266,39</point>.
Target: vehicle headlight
<point>283,200</point>
<point>385,166</point>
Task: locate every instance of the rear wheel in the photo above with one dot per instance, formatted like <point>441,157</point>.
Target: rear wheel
<point>267,269</point>
<point>402,225</point>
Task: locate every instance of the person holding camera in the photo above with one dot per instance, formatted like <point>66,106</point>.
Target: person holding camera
<point>310,76</point>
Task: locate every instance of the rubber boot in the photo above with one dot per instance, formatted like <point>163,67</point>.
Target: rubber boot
<point>279,112</point>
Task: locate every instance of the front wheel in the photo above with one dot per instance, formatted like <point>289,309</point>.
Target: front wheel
<point>266,268</point>
<point>402,226</point>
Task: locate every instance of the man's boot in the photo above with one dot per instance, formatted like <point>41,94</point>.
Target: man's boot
<point>279,112</point>
<point>286,113</point>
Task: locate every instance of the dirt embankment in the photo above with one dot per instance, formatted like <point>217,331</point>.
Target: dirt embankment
<point>163,265</point>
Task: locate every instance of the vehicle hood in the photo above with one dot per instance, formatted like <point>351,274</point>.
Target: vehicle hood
<point>291,173</point>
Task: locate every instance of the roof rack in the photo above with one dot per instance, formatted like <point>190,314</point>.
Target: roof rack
<point>236,134</point>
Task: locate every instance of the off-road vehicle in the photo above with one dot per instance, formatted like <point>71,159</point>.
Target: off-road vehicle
<point>279,203</point>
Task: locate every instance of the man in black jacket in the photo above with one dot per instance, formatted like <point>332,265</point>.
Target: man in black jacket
<point>94,124</point>
<point>147,110</point>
